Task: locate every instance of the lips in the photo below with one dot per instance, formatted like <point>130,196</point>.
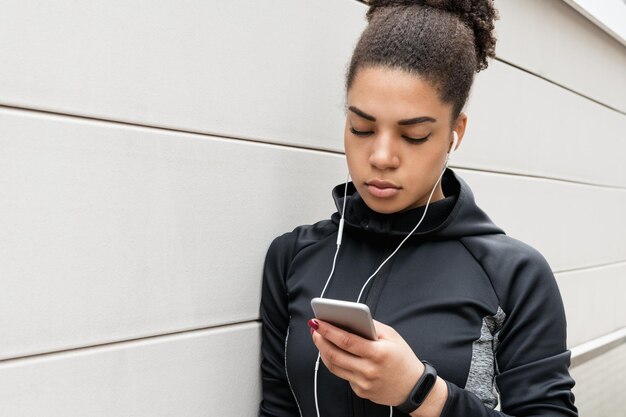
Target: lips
<point>382,189</point>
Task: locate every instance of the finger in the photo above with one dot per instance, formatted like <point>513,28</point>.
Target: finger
<point>344,340</point>
<point>336,357</point>
<point>337,370</point>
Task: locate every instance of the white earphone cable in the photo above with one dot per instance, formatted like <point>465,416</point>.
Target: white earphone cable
<point>339,237</point>
<point>405,239</point>
<point>343,211</point>
<point>317,362</point>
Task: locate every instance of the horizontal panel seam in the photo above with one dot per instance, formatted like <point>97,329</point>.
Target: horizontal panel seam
<point>126,341</point>
<point>282,144</point>
<point>597,347</point>
<point>608,106</point>
<point>166,128</point>
<point>543,177</point>
<point>590,267</point>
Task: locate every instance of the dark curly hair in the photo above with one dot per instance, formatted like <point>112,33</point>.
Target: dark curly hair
<point>444,42</point>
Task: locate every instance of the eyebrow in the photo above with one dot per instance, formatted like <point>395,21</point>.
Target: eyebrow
<point>411,121</point>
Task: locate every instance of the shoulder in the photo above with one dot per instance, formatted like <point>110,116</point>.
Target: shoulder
<point>515,268</point>
<point>496,246</point>
<point>286,246</point>
<point>280,255</point>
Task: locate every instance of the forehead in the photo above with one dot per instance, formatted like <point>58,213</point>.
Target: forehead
<point>396,93</point>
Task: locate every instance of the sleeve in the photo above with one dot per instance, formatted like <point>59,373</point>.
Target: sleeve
<point>532,361</point>
<point>277,399</point>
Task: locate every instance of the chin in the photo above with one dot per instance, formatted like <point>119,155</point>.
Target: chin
<point>383,207</point>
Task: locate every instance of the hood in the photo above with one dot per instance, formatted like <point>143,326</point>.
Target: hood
<point>454,216</point>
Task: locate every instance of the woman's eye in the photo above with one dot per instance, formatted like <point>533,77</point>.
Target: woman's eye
<point>408,138</point>
<point>416,140</point>
<point>358,133</point>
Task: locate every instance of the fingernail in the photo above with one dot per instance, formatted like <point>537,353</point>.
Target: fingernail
<point>313,324</point>
<point>312,330</point>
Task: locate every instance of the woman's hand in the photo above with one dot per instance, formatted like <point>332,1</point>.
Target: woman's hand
<point>383,371</point>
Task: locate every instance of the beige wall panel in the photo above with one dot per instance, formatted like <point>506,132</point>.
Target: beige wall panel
<point>211,372</point>
<point>594,301</point>
<point>600,385</point>
<point>518,123</point>
<point>572,225</point>
<point>114,232</point>
<point>551,39</point>
<point>234,68</point>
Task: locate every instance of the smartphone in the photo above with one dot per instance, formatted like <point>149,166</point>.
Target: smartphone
<point>353,317</point>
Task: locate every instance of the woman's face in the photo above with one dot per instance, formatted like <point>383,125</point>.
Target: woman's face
<point>396,137</point>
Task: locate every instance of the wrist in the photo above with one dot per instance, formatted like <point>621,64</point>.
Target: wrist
<point>434,402</point>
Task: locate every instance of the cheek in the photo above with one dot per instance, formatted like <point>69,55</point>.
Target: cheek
<point>352,166</point>
<point>351,151</point>
<point>422,167</point>
<point>356,157</point>
<point>425,157</point>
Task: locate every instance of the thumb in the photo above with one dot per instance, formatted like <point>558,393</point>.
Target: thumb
<point>382,330</point>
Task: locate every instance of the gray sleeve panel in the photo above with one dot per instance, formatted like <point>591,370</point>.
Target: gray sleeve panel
<point>483,369</point>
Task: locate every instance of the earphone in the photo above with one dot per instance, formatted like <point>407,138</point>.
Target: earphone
<point>340,235</point>
<point>452,150</point>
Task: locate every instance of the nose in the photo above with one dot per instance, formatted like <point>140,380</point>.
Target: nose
<point>384,154</point>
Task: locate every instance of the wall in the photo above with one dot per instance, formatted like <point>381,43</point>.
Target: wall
<point>149,153</point>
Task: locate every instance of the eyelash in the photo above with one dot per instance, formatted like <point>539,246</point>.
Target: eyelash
<point>410,140</point>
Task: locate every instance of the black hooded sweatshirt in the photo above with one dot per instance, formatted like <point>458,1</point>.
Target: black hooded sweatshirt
<point>482,307</point>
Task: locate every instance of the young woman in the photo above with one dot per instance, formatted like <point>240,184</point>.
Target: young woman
<point>465,315</point>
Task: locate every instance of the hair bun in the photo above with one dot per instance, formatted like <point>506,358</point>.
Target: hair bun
<point>479,15</point>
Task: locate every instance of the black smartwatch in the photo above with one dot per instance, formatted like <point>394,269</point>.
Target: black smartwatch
<point>420,390</point>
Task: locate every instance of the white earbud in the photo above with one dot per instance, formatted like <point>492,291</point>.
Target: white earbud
<point>453,148</point>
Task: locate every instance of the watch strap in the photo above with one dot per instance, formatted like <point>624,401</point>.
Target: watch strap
<point>420,391</point>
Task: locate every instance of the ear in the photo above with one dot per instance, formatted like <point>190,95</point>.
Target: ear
<point>459,127</point>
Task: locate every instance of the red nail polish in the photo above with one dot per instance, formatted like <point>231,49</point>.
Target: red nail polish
<point>314,324</point>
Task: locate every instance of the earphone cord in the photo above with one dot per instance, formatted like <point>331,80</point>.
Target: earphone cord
<point>405,239</point>
<point>339,236</point>
<point>343,211</point>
